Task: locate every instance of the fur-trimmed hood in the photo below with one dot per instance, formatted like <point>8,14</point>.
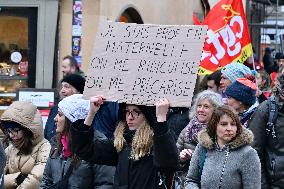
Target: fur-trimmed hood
<point>27,115</point>
<point>245,138</point>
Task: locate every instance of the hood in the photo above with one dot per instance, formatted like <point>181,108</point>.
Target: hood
<point>27,115</point>
<point>245,138</point>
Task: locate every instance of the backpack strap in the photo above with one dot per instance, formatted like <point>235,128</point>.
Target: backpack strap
<point>272,116</point>
<point>202,161</point>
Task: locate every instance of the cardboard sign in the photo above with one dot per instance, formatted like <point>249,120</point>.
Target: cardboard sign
<point>139,64</point>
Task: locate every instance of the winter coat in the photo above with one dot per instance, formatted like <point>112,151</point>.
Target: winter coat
<point>270,150</point>
<point>177,120</point>
<point>235,166</point>
<point>86,176</point>
<point>33,164</point>
<point>2,164</point>
<point>50,127</point>
<point>130,174</point>
<point>81,177</point>
<point>188,140</point>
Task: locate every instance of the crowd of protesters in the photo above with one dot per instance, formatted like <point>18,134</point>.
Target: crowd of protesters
<point>231,137</point>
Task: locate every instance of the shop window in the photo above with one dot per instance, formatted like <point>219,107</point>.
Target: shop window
<point>18,37</point>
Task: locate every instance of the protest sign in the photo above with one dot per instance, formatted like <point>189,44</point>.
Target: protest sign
<point>139,63</point>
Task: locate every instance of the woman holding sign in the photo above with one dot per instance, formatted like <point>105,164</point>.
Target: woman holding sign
<point>143,149</point>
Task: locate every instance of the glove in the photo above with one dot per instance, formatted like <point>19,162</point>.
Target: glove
<point>21,178</point>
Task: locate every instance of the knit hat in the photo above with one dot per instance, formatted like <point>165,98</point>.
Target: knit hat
<point>243,90</point>
<point>235,70</point>
<point>279,56</point>
<point>74,107</point>
<point>77,81</point>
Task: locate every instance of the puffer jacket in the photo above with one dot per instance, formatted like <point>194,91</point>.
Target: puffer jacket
<point>269,149</point>
<point>236,166</point>
<point>81,177</point>
<point>27,115</point>
<point>85,176</point>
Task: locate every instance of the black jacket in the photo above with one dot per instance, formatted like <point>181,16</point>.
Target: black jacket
<point>270,150</point>
<point>86,175</point>
<point>130,174</point>
<point>2,164</point>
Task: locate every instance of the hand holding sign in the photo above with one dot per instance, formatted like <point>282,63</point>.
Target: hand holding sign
<point>162,108</point>
<point>95,103</point>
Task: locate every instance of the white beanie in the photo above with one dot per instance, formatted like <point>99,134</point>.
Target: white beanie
<point>74,107</point>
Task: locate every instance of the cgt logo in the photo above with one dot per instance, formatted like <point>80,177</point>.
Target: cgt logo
<point>226,39</point>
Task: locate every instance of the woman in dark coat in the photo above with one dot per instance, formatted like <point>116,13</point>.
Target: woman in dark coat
<point>63,168</point>
<point>143,149</point>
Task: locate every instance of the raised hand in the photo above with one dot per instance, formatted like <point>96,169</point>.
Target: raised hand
<point>162,108</point>
<point>96,102</point>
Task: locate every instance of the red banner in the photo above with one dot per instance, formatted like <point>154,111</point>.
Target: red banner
<point>227,37</point>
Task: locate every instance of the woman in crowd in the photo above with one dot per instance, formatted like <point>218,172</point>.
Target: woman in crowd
<point>143,149</point>
<point>28,150</point>
<point>201,112</point>
<point>63,169</point>
<point>242,98</point>
<point>224,158</point>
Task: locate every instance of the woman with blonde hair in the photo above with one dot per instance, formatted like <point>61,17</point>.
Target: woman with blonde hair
<point>143,149</point>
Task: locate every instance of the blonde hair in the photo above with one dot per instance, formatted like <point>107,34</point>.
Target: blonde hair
<point>142,142</point>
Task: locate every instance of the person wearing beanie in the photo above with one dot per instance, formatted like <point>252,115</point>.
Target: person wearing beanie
<point>229,74</point>
<point>142,149</point>
<point>28,151</point>
<point>105,119</point>
<point>70,84</point>
<point>63,168</point>
<point>242,97</point>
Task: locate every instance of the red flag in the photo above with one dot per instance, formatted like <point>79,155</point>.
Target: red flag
<point>227,37</point>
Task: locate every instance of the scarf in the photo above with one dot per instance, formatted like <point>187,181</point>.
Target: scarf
<point>193,128</point>
<point>65,143</point>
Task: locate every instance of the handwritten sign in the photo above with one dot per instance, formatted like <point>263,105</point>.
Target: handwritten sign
<point>139,64</point>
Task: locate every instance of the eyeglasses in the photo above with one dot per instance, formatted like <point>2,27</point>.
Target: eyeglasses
<point>13,131</point>
<point>133,113</point>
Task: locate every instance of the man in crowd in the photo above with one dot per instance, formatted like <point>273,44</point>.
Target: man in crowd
<point>267,124</point>
<point>213,81</point>
<point>70,66</point>
<point>70,84</point>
